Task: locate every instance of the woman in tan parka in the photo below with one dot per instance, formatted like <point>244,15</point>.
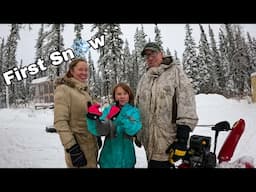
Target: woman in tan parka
<point>70,101</point>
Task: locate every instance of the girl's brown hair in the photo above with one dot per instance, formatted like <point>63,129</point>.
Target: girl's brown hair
<point>72,64</point>
<point>127,89</point>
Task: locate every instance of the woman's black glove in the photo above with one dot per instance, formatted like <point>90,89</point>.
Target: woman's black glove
<point>77,156</point>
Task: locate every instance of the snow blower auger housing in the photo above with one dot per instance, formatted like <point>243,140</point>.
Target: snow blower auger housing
<point>199,154</point>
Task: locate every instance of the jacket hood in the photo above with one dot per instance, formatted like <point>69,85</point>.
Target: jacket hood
<point>71,82</point>
<point>166,63</point>
<point>167,60</point>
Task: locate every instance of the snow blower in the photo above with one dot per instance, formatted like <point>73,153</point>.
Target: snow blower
<point>200,156</point>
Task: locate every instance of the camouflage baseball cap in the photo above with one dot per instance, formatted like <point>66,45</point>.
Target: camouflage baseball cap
<point>150,46</point>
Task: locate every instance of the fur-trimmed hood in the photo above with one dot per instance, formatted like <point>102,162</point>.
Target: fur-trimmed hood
<point>71,82</point>
<point>167,62</point>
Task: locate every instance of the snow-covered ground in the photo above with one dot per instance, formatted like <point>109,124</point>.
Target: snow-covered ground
<point>24,143</point>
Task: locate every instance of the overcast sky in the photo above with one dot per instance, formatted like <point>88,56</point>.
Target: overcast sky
<point>172,36</point>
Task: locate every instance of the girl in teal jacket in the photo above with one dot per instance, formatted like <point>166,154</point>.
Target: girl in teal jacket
<point>119,122</point>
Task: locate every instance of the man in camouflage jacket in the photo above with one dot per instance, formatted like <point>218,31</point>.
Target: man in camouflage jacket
<point>166,100</point>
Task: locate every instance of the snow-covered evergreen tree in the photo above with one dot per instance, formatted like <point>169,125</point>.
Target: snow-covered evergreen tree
<point>241,63</point>
<point>231,55</point>
<point>111,56</point>
<point>78,29</point>
<point>134,73</point>
<point>80,46</point>
<point>189,60</point>
<point>2,85</point>
<point>41,51</point>
<point>101,74</point>
<point>11,47</point>
<point>228,89</point>
<point>10,58</point>
<point>54,43</point>
<point>115,51</point>
<point>218,65</point>
<point>206,68</point>
<point>126,73</point>
<point>94,91</point>
<point>20,90</point>
<point>139,62</point>
<point>176,58</point>
<point>158,37</point>
<point>98,85</point>
<point>230,40</point>
<point>168,52</point>
<point>129,68</point>
<point>252,52</point>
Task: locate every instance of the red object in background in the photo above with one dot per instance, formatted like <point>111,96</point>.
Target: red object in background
<point>231,141</point>
<point>184,165</point>
<point>249,165</point>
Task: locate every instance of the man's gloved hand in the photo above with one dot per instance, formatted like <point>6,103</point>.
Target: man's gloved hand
<point>77,156</point>
<point>99,141</point>
<point>93,111</point>
<point>178,149</point>
<point>114,111</point>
